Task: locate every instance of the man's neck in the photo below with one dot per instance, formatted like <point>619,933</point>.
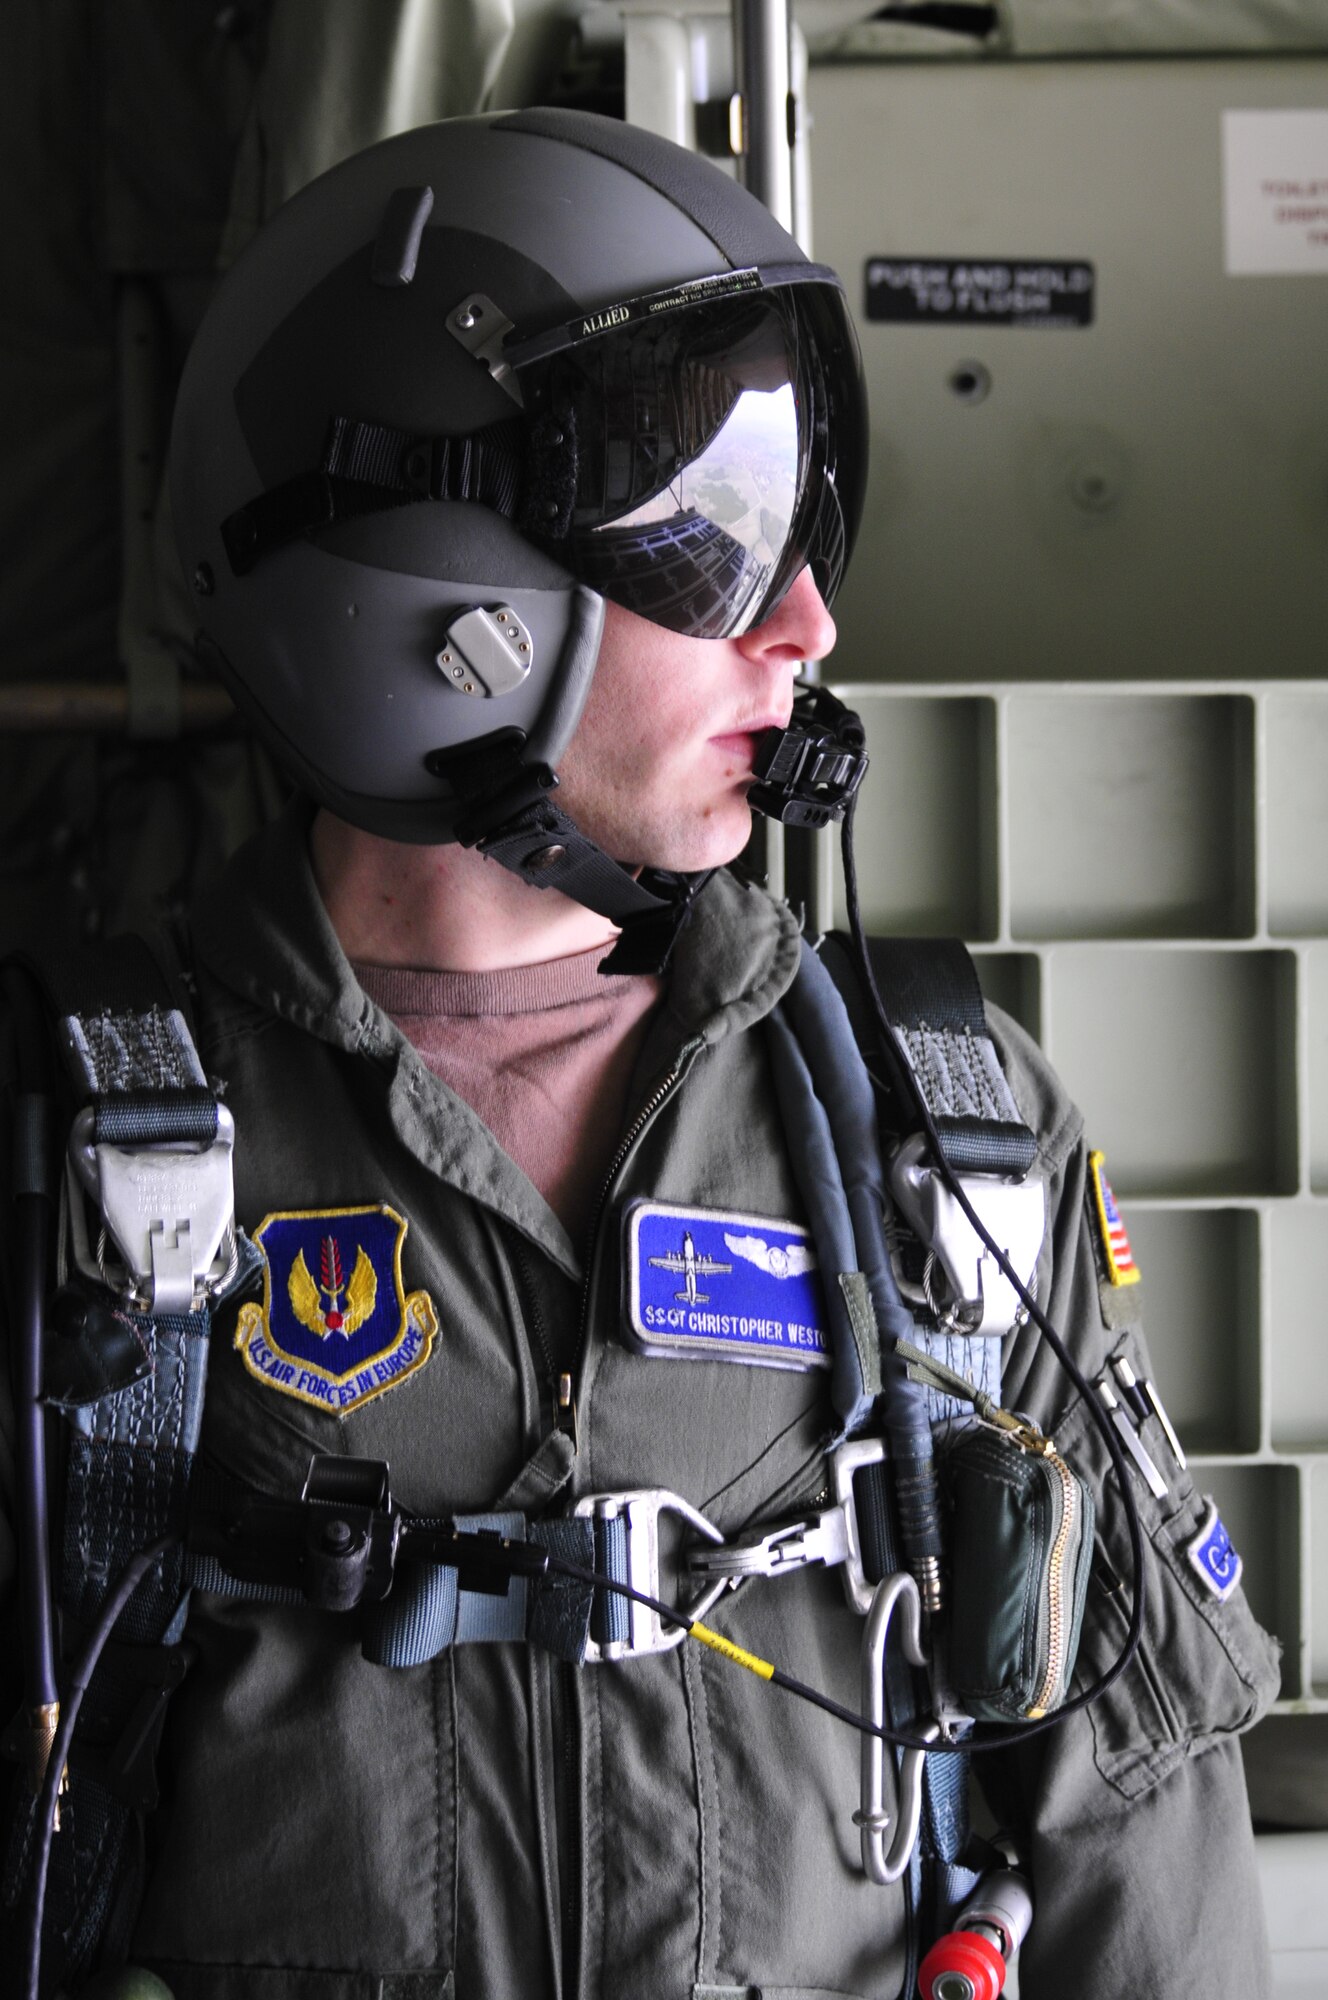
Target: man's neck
<point>443,909</point>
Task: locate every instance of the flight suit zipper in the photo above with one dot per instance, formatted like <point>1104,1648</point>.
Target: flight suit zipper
<point>663,1089</point>
<point>567,1763</point>
<point>556,1381</point>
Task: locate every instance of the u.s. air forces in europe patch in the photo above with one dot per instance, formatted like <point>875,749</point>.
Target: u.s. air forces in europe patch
<point>336,1326</point>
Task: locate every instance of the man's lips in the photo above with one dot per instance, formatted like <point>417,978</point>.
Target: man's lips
<point>742,742</point>
<point>742,745</point>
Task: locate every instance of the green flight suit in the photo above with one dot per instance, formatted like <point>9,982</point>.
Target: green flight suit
<point>499,1823</point>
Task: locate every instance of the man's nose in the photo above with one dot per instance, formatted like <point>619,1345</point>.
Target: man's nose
<point>799,628</point>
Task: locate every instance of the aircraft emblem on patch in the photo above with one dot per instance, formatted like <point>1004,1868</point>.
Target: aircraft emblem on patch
<point>1112,1236</point>
<point>336,1326</point>
<point>1212,1557</point>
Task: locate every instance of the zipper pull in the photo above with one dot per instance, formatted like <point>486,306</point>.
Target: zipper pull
<point>923,1367</point>
<point>1029,1438</point>
<point>564,1409</point>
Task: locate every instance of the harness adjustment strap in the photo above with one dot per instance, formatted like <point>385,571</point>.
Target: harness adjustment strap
<point>930,990</point>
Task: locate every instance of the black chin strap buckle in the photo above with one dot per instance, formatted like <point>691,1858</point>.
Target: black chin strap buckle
<point>807,774</point>
<point>512,819</point>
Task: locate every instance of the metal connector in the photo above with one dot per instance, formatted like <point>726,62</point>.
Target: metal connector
<point>168,1209</point>
<point>977,1299</point>
<point>636,1515</point>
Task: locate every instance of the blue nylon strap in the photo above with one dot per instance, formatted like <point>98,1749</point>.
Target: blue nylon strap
<point>426,1611</point>
<point>154,1117</point>
<point>611,1621</point>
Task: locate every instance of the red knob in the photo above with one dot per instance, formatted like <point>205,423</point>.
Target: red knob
<point>961,1966</point>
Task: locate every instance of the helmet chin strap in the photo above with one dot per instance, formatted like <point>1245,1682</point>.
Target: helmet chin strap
<point>512,818</point>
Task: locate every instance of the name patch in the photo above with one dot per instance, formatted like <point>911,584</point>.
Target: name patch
<point>705,1282</point>
<point>1212,1557</point>
<point>336,1326</point>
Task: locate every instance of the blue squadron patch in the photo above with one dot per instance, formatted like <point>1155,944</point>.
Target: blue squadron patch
<point>1212,1557</point>
<point>336,1326</point>
<point>702,1282</point>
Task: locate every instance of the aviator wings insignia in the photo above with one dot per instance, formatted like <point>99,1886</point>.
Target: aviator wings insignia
<point>778,1259</point>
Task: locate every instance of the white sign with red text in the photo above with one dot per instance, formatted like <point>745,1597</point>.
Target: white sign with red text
<point>1275,192</point>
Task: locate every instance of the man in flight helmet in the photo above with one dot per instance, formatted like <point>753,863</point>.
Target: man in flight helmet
<point>515,469</point>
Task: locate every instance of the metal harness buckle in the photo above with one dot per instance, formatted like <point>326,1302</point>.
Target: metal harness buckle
<point>169,1209</point>
<point>797,1545</point>
<point>640,1511</point>
<point>831,1538</point>
<point>981,1302</point>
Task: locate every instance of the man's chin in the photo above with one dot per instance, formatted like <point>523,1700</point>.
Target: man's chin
<point>681,847</point>
<point>709,844</point>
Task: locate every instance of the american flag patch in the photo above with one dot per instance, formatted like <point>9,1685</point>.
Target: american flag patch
<point>1121,1267</point>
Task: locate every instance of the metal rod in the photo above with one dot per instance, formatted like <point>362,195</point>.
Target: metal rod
<point>761,67</point>
<point>43,707</point>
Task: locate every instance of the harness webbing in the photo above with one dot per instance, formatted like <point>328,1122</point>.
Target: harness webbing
<point>428,1609</point>
<point>128,1461</point>
<point>930,990</point>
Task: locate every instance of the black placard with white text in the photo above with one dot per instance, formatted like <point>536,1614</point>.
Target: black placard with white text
<point>980,291</point>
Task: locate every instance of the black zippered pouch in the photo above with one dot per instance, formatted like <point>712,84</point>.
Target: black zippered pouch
<point>1020,1538</point>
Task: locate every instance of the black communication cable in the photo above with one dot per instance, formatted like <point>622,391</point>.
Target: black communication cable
<point>33,1193</point>
<point>80,1673</point>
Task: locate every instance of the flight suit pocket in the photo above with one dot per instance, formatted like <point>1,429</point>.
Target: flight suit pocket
<point>1205,1668</point>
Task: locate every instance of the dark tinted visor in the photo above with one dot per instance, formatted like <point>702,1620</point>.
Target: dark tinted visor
<point>719,448</point>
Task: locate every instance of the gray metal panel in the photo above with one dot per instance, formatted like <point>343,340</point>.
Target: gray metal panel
<point>1145,497</point>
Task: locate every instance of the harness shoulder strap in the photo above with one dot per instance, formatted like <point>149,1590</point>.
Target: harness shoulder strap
<point>120,1345</point>
<point>930,990</point>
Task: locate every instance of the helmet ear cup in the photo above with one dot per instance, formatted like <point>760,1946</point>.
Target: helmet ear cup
<point>338,782</point>
<point>359,688</point>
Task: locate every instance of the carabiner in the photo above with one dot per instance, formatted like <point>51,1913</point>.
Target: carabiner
<point>906,1813</point>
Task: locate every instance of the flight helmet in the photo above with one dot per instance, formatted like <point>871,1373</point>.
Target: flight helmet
<point>458,391</point>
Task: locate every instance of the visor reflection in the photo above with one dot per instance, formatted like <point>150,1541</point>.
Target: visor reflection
<point>728,515</point>
<point>703,455</point>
